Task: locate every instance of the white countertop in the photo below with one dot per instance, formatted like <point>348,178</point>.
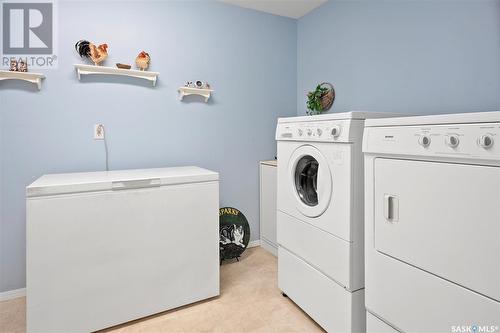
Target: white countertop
<point>270,162</point>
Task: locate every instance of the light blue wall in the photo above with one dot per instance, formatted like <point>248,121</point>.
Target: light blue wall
<point>383,55</point>
<point>249,58</point>
<point>415,56</point>
<point>3,257</point>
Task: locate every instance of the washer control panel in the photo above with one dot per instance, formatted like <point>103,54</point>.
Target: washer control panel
<point>323,131</point>
<point>461,140</point>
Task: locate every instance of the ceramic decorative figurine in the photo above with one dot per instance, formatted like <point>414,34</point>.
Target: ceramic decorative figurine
<point>142,61</point>
<point>22,66</point>
<point>89,50</point>
<point>197,84</point>
<point>13,65</point>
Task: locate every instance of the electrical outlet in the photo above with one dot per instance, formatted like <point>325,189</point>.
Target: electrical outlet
<point>98,132</point>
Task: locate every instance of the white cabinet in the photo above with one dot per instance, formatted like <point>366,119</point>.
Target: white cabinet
<point>268,184</point>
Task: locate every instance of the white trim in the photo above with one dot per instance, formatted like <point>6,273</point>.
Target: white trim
<point>11,294</point>
<point>254,243</point>
<point>269,246</point>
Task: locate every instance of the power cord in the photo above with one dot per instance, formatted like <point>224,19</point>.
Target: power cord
<point>100,133</point>
<point>106,151</point>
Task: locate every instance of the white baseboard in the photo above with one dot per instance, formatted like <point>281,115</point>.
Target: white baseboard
<point>269,246</point>
<point>254,243</point>
<point>11,294</point>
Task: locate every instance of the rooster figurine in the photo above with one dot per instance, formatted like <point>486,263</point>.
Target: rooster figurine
<point>142,61</point>
<point>88,50</point>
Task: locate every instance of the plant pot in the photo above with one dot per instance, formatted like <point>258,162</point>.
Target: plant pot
<point>328,97</point>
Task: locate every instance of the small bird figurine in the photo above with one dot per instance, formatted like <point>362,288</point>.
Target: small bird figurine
<point>22,66</point>
<point>88,50</point>
<point>13,65</point>
<point>142,61</point>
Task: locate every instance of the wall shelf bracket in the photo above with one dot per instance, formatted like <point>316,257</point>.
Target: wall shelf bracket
<point>92,69</point>
<point>186,91</point>
<point>35,78</point>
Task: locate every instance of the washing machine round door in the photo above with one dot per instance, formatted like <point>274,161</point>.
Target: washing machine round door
<point>311,180</point>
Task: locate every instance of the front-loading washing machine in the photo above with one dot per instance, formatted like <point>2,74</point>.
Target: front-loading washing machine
<point>320,217</point>
<point>433,223</point>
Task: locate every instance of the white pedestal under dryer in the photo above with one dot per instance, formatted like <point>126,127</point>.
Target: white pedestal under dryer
<point>320,217</point>
<point>433,223</point>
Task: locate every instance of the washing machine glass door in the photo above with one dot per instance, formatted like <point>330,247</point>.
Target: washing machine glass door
<point>311,181</point>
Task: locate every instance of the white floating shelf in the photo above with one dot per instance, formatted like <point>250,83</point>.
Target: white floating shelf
<point>92,69</point>
<point>35,78</point>
<point>186,91</point>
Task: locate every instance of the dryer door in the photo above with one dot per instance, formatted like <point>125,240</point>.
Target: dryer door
<point>442,218</point>
<point>309,175</point>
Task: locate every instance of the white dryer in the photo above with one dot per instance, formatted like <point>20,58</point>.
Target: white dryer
<point>320,217</point>
<point>433,223</point>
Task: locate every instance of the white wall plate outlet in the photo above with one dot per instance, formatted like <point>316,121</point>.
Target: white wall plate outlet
<point>98,132</point>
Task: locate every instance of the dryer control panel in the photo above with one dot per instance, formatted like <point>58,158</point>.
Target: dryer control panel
<point>465,141</point>
<point>323,131</point>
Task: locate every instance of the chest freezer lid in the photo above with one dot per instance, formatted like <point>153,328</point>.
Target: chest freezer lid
<point>117,180</point>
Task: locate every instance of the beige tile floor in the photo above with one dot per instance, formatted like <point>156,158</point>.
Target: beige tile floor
<point>250,301</point>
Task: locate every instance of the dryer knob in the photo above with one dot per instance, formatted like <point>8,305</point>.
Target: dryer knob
<point>424,141</point>
<point>300,132</point>
<point>452,140</point>
<point>319,131</point>
<point>485,141</point>
<point>309,132</point>
<point>335,131</point>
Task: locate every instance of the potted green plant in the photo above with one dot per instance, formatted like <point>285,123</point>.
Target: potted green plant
<point>321,99</point>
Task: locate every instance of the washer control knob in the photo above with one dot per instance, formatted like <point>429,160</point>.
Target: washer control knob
<point>309,132</point>
<point>319,131</point>
<point>452,140</point>
<point>424,141</point>
<point>335,131</point>
<point>300,132</point>
<point>485,141</point>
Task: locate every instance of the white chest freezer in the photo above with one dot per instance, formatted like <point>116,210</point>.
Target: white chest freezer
<point>104,248</point>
